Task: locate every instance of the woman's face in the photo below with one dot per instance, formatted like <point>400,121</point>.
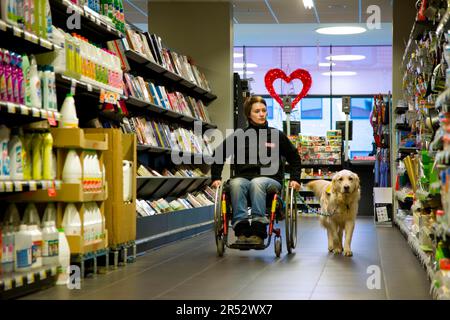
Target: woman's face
<point>259,113</point>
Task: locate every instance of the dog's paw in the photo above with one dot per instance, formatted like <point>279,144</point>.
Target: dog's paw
<point>330,249</point>
<point>337,251</point>
<point>348,253</point>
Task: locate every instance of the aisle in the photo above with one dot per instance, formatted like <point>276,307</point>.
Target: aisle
<point>190,270</point>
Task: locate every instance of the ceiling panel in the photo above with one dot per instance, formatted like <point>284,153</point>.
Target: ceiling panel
<point>252,12</point>
<point>292,12</point>
<point>332,11</point>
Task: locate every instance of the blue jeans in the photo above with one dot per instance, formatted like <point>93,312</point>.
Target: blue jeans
<point>241,189</point>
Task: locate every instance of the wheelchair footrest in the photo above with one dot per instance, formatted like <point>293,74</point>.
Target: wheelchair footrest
<point>248,246</point>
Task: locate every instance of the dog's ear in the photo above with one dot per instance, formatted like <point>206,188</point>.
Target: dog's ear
<point>356,177</point>
<point>334,183</point>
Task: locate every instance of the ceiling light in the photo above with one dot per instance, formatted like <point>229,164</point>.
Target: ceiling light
<point>240,65</point>
<point>340,73</point>
<point>238,55</point>
<point>346,57</point>
<point>344,30</point>
<point>326,64</point>
<point>309,4</point>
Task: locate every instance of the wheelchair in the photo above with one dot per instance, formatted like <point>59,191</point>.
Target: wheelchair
<point>280,205</point>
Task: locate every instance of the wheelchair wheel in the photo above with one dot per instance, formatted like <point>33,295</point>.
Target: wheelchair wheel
<point>287,220</point>
<point>293,215</point>
<point>220,243</point>
<point>218,222</point>
<point>277,247</point>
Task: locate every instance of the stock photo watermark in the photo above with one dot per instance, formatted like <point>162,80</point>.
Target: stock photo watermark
<point>374,280</point>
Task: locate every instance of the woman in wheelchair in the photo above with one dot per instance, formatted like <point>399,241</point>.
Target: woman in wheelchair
<point>257,167</point>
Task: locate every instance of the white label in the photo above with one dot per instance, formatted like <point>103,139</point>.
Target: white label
<point>19,281</point>
<point>44,114</point>
<point>31,37</point>
<point>17,32</point>
<point>46,44</point>
<point>89,87</point>
<point>44,185</point>
<point>11,107</point>
<point>24,110</point>
<point>43,274</point>
<point>9,186</point>
<point>18,186</point>
<point>36,112</point>
<point>33,185</point>
<point>30,278</point>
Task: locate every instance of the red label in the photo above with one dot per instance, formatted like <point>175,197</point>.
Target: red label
<point>52,190</point>
<point>52,120</point>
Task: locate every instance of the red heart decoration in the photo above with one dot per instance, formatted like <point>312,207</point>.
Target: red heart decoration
<point>301,74</point>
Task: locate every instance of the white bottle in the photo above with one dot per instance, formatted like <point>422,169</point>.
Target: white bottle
<point>71,220</point>
<point>4,156</point>
<point>45,87</point>
<point>12,217</point>
<point>72,172</point>
<point>35,85</point>
<point>31,215</point>
<point>63,258</point>
<point>15,151</point>
<point>49,213</point>
<point>22,249</point>
<point>54,100</point>
<point>7,258</point>
<point>36,250</point>
<point>68,111</point>
<point>50,244</point>
<point>87,223</point>
<point>100,222</point>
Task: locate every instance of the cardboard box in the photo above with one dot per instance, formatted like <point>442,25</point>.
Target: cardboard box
<point>120,216</point>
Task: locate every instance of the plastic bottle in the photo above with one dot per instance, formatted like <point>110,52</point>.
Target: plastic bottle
<point>37,156</point>
<point>49,213</point>
<point>16,155</point>
<point>31,215</point>
<point>20,81</point>
<point>4,156</point>
<point>45,89</point>
<point>2,78</point>
<point>14,78</point>
<point>12,217</point>
<point>7,245</point>
<point>8,76</point>
<point>47,20</point>
<point>50,243</point>
<point>52,84</point>
<point>26,156</point>
<point>72,172</point>
<point>22,249</point>
<point>68,113</point>
<point>26,76</point>
<point>47,147</point>
<point>63,258</point>
<point>88,223</point>
<point>35,85</point>
<point>71,220</point>
<point>36,249</point>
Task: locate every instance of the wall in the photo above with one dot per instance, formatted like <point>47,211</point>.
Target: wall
<point>203,31</point>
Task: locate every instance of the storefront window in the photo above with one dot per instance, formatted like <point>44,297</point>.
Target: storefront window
<point>361,108</point>
<point>311,108</point>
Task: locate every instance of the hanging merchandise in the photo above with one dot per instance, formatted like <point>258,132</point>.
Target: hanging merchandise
<point>71,220</point>
<point>15,152</point>
<point>63,258</point>
<point>72,171</point>
<point>4,156</point>
<point>31,215</point>
<point>68,113</point>
<point>50,243</point>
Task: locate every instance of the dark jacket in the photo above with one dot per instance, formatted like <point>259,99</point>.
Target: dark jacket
<point>252,155</point>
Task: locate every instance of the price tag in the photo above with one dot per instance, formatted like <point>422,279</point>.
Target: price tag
<point>3,25</point>
<point>24,110</point>
<point>51,119</point>
<point>52,190</point>
<point>30,278</point>
<point>44,114</point>
<point>89,87</point>
<point>73,87</point>
<point>33,185</point>
<point>18,186</point>
<point>31,37</point>
<point>2,187</point>
<point>17,32</point>
<point>9,186</point>
<point>42,275</point>
<point>11,107</point>
<point>8,284</point>
<point>36,112</point>
<point>45,43</point>
<point>19,281</point>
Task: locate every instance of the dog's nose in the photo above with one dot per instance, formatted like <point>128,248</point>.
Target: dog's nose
<point>346,188</point>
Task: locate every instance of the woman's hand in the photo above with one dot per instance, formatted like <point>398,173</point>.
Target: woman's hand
<point>294,185</point>
<point>216,183</point>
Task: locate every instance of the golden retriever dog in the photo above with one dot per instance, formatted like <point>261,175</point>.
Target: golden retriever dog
<point>339,200</point>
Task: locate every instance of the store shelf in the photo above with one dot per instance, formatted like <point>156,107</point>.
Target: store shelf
<point>16,39</point>
<point>79,246</point>
<point>75,138</point>
<point>26,186</point>
<point>66,192</point>
<point>407,150</point>
<point>156,72</point>
<point>85,86</point>
<point>141,104</point>
<point>417,31</point>
<point>93,26</point>
<point>314,166</point>
<point>13,285</point>
<point>162,187</point>
<point>24,114</point>
<point>152,149</point>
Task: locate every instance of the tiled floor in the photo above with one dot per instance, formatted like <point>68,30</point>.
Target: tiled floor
<point>190,269</point>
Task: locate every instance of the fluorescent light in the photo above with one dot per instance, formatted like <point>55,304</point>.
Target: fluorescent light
<point>340,73</point>
<point>240,65</point>
<point>238,55</point>
<point>341,30</point>
<point>346,57</point>
<point>326,64</point>
<point>309,4</point>
<point>246,73</point>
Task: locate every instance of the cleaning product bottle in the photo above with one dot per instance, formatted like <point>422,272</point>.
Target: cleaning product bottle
<point>3,94</point>
<point>46,20</point>
<point>35,85</point>
<point>45,89</point>
<point>20,81</point>
<point>22,249</point>
<point>14,76</point>
<point>71,220</point>
<point>37,157</point>
<point>8,76</point>
<point>63,258</point>
<point>12,217</point>
<point>31,215</point>
<point>50,243</point>
<point>27,159</point>
<point>87,223</point>
<point>68,113</point>
<point>47,162</point>
<point>36,249</point>
<point>16,155</point>
<point>26,76</point>
<point>49,213</point>
<point>4,156</point>
<point>7,255</point>
<point>72,171</point>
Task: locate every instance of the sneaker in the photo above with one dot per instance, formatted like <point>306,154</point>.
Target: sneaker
<point>242,239</point>
<point>255,240</point>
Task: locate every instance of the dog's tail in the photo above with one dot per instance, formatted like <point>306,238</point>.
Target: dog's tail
<point>318,187</point>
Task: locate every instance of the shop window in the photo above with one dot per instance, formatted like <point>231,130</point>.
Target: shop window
<point>311,108</point>
<point>361,108</point>
<point>269,103</point>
